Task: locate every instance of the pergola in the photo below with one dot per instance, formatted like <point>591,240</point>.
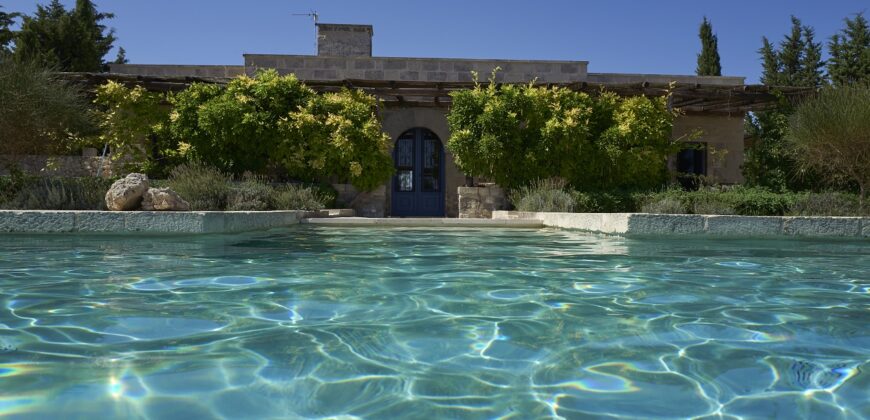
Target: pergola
<point>688,97</point>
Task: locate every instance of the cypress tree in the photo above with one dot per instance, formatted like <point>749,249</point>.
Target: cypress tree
<point>850,53</point>
<point>121,58</point>
<point>708,59</point>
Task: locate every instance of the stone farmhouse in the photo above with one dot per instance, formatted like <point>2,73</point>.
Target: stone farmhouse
<point>415,97</point>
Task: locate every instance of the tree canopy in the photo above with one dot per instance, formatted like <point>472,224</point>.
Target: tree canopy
<point>797,61</point>
<point>6,34</point>
<point>73,40</point>
<point>850,53</point>
<point>708,59</point>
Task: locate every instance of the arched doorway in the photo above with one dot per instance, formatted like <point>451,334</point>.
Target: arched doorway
<point>418,184</point>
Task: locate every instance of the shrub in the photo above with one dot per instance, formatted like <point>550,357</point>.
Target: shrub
<point>548,195</point>
<point>204,187</point>
<point>300,197</point>
<point>664,205</point>
<point>57,193</point>
<point>253,193</point>
<point>132,122</point>
<point>271,121</point>
<point>827,204</point>
<point>514,134</point>
<point>831,136</point>
<point>617,201</point>
<point>40,112</point>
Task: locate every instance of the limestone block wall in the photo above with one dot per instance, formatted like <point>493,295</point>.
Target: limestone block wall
<point>72,166</point>
<point>721,133</point>
<point>415,69</point>
<point>167,70</point>
<point>365,204</point>
<point>344,40</point>
<point>480,202</point>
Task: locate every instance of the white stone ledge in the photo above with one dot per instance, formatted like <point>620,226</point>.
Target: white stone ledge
<point>630,224</point>
<point>424,222</point>
<point>45,221</point>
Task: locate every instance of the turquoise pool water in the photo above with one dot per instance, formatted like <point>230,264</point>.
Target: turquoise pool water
<point>402,323</point>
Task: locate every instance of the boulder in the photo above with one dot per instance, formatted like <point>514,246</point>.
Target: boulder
<point>163,199</point>
<point>126,193</point>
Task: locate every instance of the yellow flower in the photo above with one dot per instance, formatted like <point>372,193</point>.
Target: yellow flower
<point>355,169</point>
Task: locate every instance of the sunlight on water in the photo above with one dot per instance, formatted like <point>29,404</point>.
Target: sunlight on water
<point>432,323</point>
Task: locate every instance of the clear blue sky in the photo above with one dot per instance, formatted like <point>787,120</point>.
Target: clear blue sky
<point>642,36</point>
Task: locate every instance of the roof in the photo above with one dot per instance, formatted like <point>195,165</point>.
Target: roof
<point>687,96</point>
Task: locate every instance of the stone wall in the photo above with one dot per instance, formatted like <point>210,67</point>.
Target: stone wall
<point>643,224</point>
<point>308,67</point>
<point>344,40</point>
<point>174,70</point>
<point>72,166</point>
<point>480,202</point>
<point>365,204</point>
<point>722,133</point>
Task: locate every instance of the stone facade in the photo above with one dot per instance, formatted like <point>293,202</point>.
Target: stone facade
<point>344,40</point>
<point>366,204</point>
<point>72,166</point>
<point>480,202</point>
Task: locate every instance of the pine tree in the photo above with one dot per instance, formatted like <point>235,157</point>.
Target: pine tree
<point>121,58</point>
<point>797,62</point>
<point>66,40</point>
<point>850,53</point>
<point>708,59</point>
<point>6,34</point>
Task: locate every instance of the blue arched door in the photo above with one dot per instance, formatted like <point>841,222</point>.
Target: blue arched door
<point>418,184</point>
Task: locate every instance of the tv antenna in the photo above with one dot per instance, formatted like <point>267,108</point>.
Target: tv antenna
<point>314,17</point>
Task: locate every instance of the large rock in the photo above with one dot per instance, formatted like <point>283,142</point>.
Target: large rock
<point>163,199</point>
<point>126,193</point>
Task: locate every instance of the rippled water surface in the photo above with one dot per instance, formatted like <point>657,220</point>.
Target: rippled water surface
<point>404,323</point>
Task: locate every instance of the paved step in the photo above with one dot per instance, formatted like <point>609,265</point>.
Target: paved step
<point>424,222</point>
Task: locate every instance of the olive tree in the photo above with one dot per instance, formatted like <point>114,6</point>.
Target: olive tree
<point>831,135</point>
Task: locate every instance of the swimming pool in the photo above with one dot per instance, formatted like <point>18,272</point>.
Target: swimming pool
<point>432,323</point>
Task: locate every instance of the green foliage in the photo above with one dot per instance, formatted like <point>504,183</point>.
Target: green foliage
<point>300,197</point>
<point>235,127</point>
<point>771,162</point>
<point>73,40</point>
<point>6,34</point>
<point>515,134</point>
<point>828,203</point>
<point>850,53</point>
<point>121,58</point>
<point>130,120</point>
<point>550,195</point>
<point>55,193</point>
<point>253,193</point>
<point>40,112</point>
<point>337,134</point>
<point>257,124</point>
<point>207,188</point>
<point>708,60</point>
<point>204,187</point>
<point>737,200</point>
<point>612,201</point>
<point>664,205</point>
<point>831,136</point>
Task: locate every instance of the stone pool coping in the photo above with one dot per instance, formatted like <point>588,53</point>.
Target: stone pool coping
<point>425,222</point>
<point>640,224</point>
<point>82,221</point>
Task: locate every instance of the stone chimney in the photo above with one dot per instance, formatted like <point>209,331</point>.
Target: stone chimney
<point>337,40</point>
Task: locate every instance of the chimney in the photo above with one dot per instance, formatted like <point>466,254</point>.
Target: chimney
<point>339,40</point>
